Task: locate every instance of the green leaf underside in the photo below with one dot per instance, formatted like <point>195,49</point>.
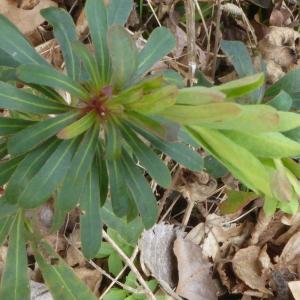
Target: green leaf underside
<point>90,64</point>
<point>78,127</point>
<point>5,224</point>
<point>15,282</point>
<point>269,144</point>
<point>177,151</point>
<point>48,76</point>
<point>236,200</point>
<point>7,168</point>
<point>96,15</point>
<point>90,220</point>
<point>140,191</point>
<point>16,99</point>
<point>102,174</point>
<point>123,54</point>
<point>29,166</point>
<point>119,193</point>
<point>113,141</point>
<point>10,125</point>
<point>239,161</point>
<point>118,12</point>
<point>16,45</point>
<point>60,278</point>
<point>65,33</point>
<point>34,135</point>
<point>45,181</point>
<point>68,195</point>
<point>154,166</point>
<point>160,43</point>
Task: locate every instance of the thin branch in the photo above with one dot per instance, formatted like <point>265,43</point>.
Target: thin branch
<point>130,265</point>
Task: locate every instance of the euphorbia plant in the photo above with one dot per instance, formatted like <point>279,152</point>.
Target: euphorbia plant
<point>78,136</point>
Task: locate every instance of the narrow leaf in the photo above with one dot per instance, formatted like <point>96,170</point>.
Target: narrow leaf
<point>5,224</point>
<point>160,43</point>
<point>68,195</point>
<point>177,151</point>
<point>10,125</point>
<point>269,144</point>
<point>7,168</point>
<point>15,282</point>
<point>78,127</point>
<point>90,220</point>
<point>36,134</point>
<point>95,12</point>
<point>243,86</point>
<point>199,95</point>
<point>45,181</point>
<point>89,62</point>
<point>140,191</point>
<point>102,174</point>
<point>123,53</point>
<point>26,169</point>
<point>16,99</point>
<point>6,208</point>
<point>118,11</point>
<point>119,193</point>
<point>283,101</point>
<point>154,166</point>
<point>65,33</point>
<point>48,76</point>
<point>15,44</point>
<point>59,277</point>
<point>113,141</point>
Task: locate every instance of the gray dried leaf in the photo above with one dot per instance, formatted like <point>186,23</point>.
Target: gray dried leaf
<point>195,280</point>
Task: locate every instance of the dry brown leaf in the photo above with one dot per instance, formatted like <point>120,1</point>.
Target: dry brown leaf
<point>92,278</point>
<point>39,291</point>
<point>156,247</point>
<point>74,258</point>
<point>295,289</point>
<point>291,252</point>
<point>246,266</point>
<point>26,20</point>
<point>195,280</point>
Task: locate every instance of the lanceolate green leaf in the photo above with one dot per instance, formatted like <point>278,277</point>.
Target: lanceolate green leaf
<point>113,140</point>
<point>7,168</point>
<point>5,224</point>
<point>199,95</point>
<point>283,101</point>
<point>15,44</point>
<point>95,12</point>
<point>45,181</point>
<point>65,32</point>
<point>237,159</point>
<point>123,53</point>
<point>118,11</point>
<point>206,113</point>
<point>243,86</point>
<point>90,64</point>
<point>15,282</point>
<point>269,144</point>
<point>48,76</point>
<point>154,166</point>
<point>16,99</point>
<point>160,43</point>
<point>78,127</point>
<point>10,125</point>
<point>6,208</point>
<point>6,60</point>
<point>90,220</point>
<point>60,278</point>
<point>119,193</point>
<point>140,191</point>
<point>177,151</point>
<point>29,166</point>
<point>36,134</point>
<point>68,195</point>
<point>3,147</point>
<point>102,173</point>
